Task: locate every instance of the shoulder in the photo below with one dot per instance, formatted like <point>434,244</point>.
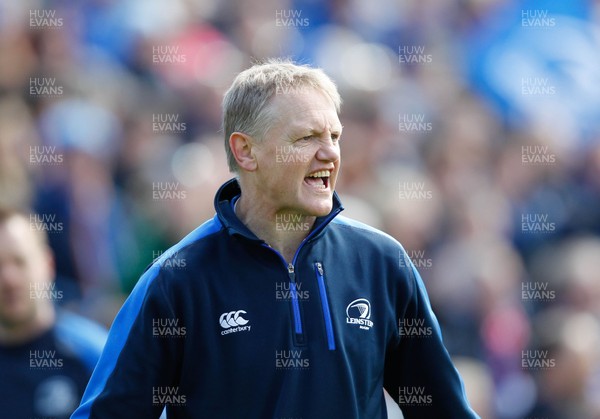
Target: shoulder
<point>171,271</point>
<point>365,232</point>
<point>200,235</point>
<point>191,247</point>
<point>82,337</point>
<point>374,248</point>
<point>369,241</point>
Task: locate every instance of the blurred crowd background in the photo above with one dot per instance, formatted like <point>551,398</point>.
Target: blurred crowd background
<point>471,134</point>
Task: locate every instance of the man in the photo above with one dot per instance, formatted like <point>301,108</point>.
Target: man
<point>46,355</point>
<point>277,307</point>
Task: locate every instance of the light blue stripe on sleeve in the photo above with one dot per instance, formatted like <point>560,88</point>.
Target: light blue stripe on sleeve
<point>81,336</point>
<point>127,316</point>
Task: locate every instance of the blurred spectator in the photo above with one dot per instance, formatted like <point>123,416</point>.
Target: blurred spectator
<point>46,354</point>
<point>565,364</point>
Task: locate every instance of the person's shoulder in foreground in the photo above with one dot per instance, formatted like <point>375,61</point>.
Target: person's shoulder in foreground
<point>278,306</point>
<point>46,354</point>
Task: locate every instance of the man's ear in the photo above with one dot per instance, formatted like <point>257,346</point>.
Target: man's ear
<point>241,146</point>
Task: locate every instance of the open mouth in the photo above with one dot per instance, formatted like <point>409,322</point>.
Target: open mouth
<point>319,180</point>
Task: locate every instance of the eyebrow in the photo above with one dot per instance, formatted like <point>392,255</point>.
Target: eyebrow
<point>313,131</point>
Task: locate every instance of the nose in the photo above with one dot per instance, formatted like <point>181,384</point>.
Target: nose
<point>329,150</point>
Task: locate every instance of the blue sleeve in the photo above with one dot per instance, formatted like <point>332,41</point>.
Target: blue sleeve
<point>133,362</point>
<point>81,336</point>
<point>419,373</point>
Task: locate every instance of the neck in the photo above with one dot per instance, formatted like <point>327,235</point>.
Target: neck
<point>41,321</point>
<point>282,230</point>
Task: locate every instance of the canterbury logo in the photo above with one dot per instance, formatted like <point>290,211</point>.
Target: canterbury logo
<point>234,322</point>
<point>358,312</point>
<point>232,319</point>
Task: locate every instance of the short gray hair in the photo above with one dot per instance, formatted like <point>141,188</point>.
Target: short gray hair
<point>246,104</point>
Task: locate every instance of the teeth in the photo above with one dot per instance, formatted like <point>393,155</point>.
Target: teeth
<point>322,173</point>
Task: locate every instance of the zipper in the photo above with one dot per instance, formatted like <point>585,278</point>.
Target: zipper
<point>294,297</point>
<point>325,306</point>
<point>298,329</point>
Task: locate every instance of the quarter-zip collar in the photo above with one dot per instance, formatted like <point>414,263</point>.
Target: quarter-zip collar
<point>230,191</point>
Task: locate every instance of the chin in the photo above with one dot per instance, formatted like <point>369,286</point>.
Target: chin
<point>12,319</point>
<point>320,210</point>
<point>314,206</point>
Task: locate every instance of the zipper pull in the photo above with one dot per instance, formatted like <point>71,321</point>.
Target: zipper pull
<point>291,273</point>
<point>320,268</point>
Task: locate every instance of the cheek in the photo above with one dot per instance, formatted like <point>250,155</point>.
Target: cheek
<point>39,271</point>
<point>335,173</point>
<point>14,276</point>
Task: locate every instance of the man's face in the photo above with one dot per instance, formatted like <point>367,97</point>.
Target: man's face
<point>299,158</point>
<point>24,264</point>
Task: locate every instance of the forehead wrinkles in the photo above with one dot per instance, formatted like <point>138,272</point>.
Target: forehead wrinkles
<point>289,105</point>
<point>316,121</point>
<point>305,115</point>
